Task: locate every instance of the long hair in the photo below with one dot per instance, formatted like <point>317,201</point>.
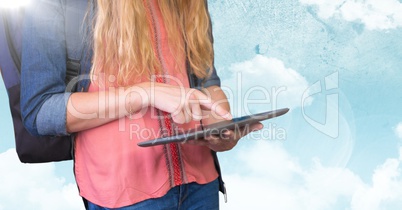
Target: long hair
<point>123,47</point>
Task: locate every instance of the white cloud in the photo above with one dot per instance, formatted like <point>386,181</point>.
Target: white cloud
<point>263,81</point>
<point>374,14</point>
<point>385,190</point>
<point>398,130</point>
<point>34,186</point>
<point>270,178</point>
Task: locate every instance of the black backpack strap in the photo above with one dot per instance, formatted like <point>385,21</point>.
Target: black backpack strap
<point>74,27</point>
<point>222,186</point>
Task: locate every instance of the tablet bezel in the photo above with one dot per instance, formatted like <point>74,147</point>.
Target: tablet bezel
<point>215,128</point>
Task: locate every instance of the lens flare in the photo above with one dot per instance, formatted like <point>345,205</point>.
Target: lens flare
<point>11,4</point>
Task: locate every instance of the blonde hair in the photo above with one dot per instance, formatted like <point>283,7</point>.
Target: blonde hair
<point>123,47</point>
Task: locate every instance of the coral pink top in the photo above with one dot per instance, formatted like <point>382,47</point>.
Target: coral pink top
<point>112,171</point>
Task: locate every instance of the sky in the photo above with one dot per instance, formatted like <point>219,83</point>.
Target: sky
<point>336,64</point>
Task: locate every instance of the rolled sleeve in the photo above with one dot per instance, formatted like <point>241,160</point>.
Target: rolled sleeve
<point>51,117</point>
<point>212,80</point>
<point>43,69</point>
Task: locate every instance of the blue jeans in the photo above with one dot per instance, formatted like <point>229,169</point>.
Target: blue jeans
<point>186,196</point>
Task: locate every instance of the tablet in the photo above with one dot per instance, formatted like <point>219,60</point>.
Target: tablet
<point>216,128</point>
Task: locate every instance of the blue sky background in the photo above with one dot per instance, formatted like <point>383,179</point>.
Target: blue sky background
<point>339,63</point>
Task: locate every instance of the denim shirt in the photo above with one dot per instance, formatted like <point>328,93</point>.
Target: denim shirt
<point>44,56</point>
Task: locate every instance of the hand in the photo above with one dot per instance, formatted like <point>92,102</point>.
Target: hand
<point>184,104</point>
<point>226,140</point>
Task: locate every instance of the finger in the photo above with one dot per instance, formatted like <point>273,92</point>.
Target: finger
<point>187,112</point>
<point>253,127</point>
<point>240,133</point>
<point>213,106</point>
<point>197,142</point>
<point>228,134</point>
<point>218,109</point>
<point>179,117</point>
<point>257,126</point>
<point>212,139</point>
<point>203,99</point>
<point>194,103</point>
<point>196,111</point>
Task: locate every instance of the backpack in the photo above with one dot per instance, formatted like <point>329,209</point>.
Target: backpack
<point>33,149</point>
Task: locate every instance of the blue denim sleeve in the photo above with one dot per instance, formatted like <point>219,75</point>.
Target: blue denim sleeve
<point>43,71</point>
<point>212,80</point>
